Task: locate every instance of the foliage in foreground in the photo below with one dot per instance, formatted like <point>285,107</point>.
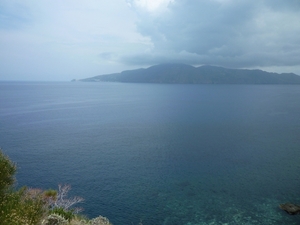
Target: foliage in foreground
<point>27,206</point>
<point>7,172</point>
<point>21,207</point>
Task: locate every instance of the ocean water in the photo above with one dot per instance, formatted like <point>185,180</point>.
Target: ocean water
<point>159,154</point>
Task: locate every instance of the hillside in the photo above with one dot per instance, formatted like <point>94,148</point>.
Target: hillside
<point>186,74</point>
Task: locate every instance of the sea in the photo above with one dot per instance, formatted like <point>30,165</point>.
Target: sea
<point>159,154</point>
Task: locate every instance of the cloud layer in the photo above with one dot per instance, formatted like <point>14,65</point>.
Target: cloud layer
<point>59,40</point>
<point>238,34</point>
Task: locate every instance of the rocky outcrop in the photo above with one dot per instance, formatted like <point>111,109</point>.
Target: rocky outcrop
<point>290,208</point>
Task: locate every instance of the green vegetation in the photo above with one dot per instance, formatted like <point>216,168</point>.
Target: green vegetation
<point>67,214</point>
<point>8,170</point>
<point>28,206</point>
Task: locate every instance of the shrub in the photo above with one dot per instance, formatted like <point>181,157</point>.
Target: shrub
<point>28,206</point>
<point>61,200</point>
<point>55,219</point>
<point>68,215</point>
<point>79,220</point>
<point>100,220</point>
<point>52,194</point>
<point>7,172</point>
<point>19,207</point>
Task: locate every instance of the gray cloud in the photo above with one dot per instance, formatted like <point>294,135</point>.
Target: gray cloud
<point>228,33</point>
<point>62,40</point>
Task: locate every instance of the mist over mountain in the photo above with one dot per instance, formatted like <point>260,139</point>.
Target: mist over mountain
<point>186,74</point>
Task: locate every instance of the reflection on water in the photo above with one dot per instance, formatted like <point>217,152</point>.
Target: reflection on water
<point>160,154</point>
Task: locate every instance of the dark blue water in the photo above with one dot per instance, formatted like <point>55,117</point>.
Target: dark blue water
<point>160,154</point>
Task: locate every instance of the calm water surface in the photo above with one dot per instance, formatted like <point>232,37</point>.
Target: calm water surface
<point>160,154</point>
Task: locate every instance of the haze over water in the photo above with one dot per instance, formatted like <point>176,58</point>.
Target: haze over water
<point>160,154</point>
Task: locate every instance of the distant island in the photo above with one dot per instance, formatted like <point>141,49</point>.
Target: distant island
<point>186,74</point>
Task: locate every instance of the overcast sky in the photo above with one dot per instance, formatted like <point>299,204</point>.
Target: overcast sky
<point>66,39</point>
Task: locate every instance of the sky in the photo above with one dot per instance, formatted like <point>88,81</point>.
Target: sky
<point>55,40</point>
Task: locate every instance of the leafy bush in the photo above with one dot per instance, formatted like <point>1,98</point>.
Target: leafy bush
<point>7,172</point>
<point>50,194</point>
<point>24,206</point>
<point>28,206</point>
<point>100,220</point>
<point>55,219</point>
<point>21,207</point>
<point>68,215</point>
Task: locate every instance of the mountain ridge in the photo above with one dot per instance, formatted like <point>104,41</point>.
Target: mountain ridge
<point>187,74</point>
